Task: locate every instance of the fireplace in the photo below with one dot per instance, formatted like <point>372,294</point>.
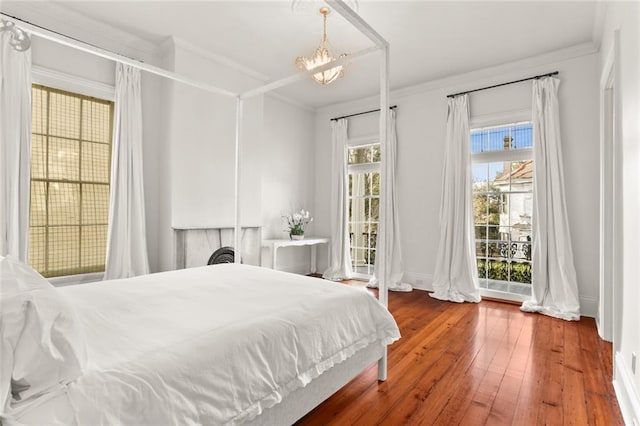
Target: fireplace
<point>200,246</point>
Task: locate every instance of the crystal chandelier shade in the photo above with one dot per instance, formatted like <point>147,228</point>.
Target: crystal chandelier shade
<point>322,56</point>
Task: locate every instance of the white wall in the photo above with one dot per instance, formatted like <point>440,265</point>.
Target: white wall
<point>421,119</point>
<point>203,145</point>
<point>625,18</point>
<point>288,176</point>
<point>276,171</point>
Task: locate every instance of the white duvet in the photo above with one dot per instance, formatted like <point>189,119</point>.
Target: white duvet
<point>211,345</point>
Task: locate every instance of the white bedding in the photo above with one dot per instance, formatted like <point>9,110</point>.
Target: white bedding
<point>211,345</point>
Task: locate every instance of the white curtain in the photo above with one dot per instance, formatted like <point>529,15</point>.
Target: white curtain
<point>555,288</point>
<point>393,255</point>
<point>340,260</point>
<point>126,242</point>
<point>456,275</point>
<point>15,148</point>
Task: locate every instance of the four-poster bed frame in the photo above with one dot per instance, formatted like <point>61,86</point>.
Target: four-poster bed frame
<point>304,399</point>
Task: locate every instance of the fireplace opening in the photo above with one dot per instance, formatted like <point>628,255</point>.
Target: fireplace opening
<point>222,255</point>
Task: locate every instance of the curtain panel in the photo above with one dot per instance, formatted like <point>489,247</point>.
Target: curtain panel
<point>340,260</point>
<point>389,202</point>
<point>126,241</point>
<point>554,283</point>
<point>455,276</point>
<point>15,148</point>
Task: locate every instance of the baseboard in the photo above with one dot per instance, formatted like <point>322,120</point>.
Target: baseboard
<point>419,280</point>
<point>588,306</point>
<point>626,393</point>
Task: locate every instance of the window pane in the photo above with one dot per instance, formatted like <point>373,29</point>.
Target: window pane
<point>64,159</point>
<point>64,115</point>
<point>481,232</point>
<point>522,136</point>
<point>96,159</point>
<point>503,138</point>
<point>95,204</point>
<point>498,139</point>
<point>480,209</point>
<point>375,210</point>
<point>367,209</point>
<point>498,176</point>
<point>521,175</point>
<point>360,155</point>
<point>350,184</point>
<point>38,110</point>
<point>373,228</point>
<point>64,249</point>
<point>376,184</point>
<point>367,184</point>
<point>480,176</point>
<point>38,212</point>
<point>94,247</point>
<point>482,268</point>
<point>376,152</point>
<point>37,248</point>
<point>64,204</point>
<point>358,184</point>
<point>478,141</point>
<point>38,157</point>
<point>94,117</point>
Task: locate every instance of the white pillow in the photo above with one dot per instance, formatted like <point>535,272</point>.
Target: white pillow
<point>43,346</point>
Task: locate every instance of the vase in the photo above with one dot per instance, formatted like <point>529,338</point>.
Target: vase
<point>296,237</point>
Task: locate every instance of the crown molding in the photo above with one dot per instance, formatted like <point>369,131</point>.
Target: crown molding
<point>56,17</point>
<point>481,77</point>
<point>496,74</point>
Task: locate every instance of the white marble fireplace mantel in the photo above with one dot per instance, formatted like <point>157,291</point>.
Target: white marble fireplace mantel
<point>194,245</point>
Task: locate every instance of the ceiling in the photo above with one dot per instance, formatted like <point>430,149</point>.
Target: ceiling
<point>429,39</point>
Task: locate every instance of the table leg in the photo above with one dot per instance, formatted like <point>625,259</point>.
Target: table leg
<point>274,251</point>
<point>313,259</point>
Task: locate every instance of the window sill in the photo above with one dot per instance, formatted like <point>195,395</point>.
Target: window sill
<point>76,279</point>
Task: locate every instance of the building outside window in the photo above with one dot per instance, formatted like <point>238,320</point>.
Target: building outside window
<point>70,177</point>
<point>364,202</point>
<point>502,173</point>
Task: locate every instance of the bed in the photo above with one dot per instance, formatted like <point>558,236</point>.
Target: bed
<point>220,344</point>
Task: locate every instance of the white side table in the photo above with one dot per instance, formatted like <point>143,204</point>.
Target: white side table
<point>274,245</point>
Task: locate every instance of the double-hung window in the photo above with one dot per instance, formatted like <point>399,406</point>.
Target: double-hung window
<point>70,174</point>
<point>364,203</point>
<point>502,173</point>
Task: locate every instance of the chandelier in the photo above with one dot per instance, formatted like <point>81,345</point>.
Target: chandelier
<point>322,56</point>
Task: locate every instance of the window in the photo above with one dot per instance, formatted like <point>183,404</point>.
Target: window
<point>364,202</point>
<point>502,169</point>
<point>70,174</point>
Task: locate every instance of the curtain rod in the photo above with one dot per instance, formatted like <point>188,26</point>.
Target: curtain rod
<point>361,113</point>
<point>504,84</point>
<point>24,21</point>
<point>65,40</point>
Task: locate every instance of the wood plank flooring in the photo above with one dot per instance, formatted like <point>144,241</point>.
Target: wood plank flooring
<point>480,364</point>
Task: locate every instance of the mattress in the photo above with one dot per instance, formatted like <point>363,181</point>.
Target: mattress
<point>211,345</point>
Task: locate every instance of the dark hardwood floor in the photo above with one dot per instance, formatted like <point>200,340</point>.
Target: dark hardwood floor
<point>477,364</point>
